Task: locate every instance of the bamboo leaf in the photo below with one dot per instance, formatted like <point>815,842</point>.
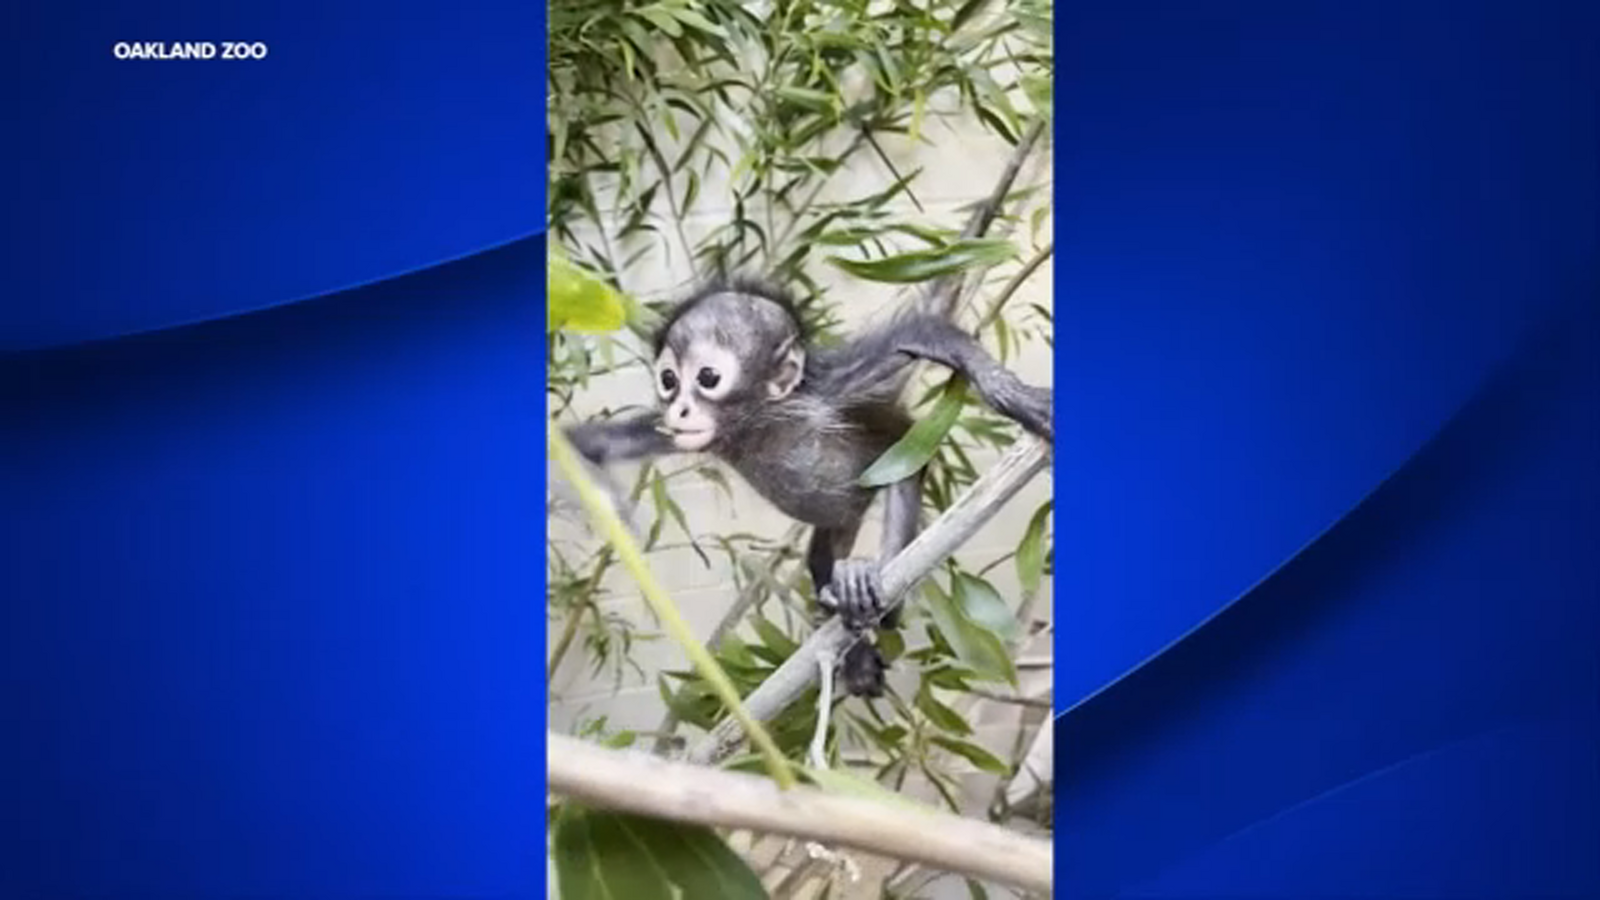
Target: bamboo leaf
<point>1030,553</point>
<point>603,855</point>
<point>592,864</point>
<point>662,20</point>
<point>920,442</point>
<point>940,714</point>
<point>925,265</point>
<point>838,781</point>
<point>698,22</point>
<point>981,604</point>
<point>974,754</point>
<point>806,97</point>
<point>773,637</point>
<point>977,648</point>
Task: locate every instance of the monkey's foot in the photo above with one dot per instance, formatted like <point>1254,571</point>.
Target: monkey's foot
<point>862,670</point>
<point>856,593</point>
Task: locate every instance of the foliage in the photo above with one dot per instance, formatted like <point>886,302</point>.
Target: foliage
<point>608,856</point>
<point>661,114</point>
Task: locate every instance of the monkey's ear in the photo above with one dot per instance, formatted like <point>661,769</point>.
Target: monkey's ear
<point>791,366</point>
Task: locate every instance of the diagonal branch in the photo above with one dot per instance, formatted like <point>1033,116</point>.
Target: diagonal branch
<point>946,535</point>
<point>639,783</point>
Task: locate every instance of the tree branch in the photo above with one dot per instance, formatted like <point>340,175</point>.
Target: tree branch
<point>636,782</point>
<point>1024,460</point>
<point>941,296</point>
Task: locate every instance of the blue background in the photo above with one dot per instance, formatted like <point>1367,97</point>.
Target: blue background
<point>270,478</point>
<point>271,491</point>
<point>1328,597</point>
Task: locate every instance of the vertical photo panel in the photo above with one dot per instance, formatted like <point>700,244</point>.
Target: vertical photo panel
<point>800,386</point>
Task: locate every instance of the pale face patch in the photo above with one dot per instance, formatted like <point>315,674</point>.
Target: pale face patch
<point>690,390</point>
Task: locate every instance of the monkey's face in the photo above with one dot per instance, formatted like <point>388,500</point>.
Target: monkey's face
<point>692,389</point>
<point>721,361</point>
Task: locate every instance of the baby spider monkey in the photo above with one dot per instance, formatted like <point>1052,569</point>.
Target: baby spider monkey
<point>736,378</point>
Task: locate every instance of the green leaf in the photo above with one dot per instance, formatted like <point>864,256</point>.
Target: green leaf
<point>662,20</point>
<point>603,855</point>
<point>976,891</point>
<point>621,740</point>
<point>594,862</point>
<point>949,678</point>
<point>966,12</point>
<point>887,737</point>
<point>1030,553</point>
<point>920,442</point>
<point>982,606</point>
<point>816,100</point>
<point>977,648</point>
<point>939,714</point>
<point>974,754</point>
<point>849,784</point>
<point>774,637</point>
<point>925,265</point>
<point>696,21</point>
<point>580,300</point>
<point>891,645</point>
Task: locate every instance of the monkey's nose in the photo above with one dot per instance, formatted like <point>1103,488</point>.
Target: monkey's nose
<point>683,412</point>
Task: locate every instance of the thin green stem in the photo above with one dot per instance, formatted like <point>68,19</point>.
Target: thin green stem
<point>632,558</point>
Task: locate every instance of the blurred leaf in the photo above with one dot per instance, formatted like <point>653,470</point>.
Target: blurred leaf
<point>662,20</point>
<point>621,740</point>
<point>981,604</point>
<point>578,300</point>
<point>1030,553</point>
<point>974,754</point>
<point>976,891</point>
<point>949,678</point>
<point>695,20</point>
<point>773,637</point>
<point>602,855</point>
<point>846,783</point>
<point>940,714</point>
<point>806,97</point>
<point>965,13</point>
<point>891,645</point>
<point>925,265</point>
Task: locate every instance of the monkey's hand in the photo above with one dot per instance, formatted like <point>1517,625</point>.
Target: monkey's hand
<point>588,460</point>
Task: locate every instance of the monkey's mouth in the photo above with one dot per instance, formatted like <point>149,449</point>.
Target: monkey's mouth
<point>691,439</point>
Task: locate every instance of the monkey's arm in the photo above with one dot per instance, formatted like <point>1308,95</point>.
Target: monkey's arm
<point>619,440</point>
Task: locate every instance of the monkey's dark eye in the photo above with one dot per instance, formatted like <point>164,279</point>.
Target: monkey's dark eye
<point>669,380</point>
<point>708,378</point>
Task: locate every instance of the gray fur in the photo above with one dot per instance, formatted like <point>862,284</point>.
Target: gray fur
<point>805,451</point>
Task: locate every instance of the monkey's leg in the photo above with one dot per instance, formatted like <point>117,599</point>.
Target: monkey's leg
<point>936,340</point>
<point>843,587</point>
<point>858,587</point>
